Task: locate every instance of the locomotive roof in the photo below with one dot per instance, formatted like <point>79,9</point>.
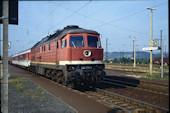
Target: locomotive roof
<point>61,33</point>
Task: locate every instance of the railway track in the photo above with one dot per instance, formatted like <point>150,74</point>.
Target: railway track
<point>155,84</point>
<point>124,103</point>
<point>150,88</point>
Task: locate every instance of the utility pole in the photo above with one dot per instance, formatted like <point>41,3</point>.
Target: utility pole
<point>134,52</point>
<point>165,51</point>
<point>106,49</point>
<point>0,41</point>
<point>134,64</point>
<point>151,61</point>
<point>162,57</point>
<point>4,82</point>
<point>120,55</point>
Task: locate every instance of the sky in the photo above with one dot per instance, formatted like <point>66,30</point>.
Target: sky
<point>119,21</point>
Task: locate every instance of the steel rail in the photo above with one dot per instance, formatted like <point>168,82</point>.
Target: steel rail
<point>136,83</point>
<point>120,81</point>
<point>145,103</point>
<point>148,82</point>
<point>129,111</point>
<point>131,86</point>
<point>158,84</point>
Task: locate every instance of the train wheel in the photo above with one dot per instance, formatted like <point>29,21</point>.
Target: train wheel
<point>61,80</point>
<point>54,75</point>
<point>47,74</point>
<point>72,85</point>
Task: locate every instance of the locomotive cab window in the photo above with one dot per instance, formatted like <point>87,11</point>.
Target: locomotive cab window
<point>93,41</point>
<point>76,41</point>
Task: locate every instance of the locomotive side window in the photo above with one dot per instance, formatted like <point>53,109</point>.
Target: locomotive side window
<point>76,41</point>
<point>93,41</point>
<point>49,47</point>
<point>44,48</point>
<point>64,43</point>
<point>57,45</point>
<point>38,50</point>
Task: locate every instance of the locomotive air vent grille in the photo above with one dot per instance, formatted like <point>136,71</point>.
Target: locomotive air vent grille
<point>87,53</point>
<point>71,27</point>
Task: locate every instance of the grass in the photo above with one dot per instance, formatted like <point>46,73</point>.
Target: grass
<point>148,76</point>
<point>20,85</point>
<point>155,76</point>
<point>155,67</point>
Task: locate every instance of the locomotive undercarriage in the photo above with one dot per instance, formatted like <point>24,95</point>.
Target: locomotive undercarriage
<point>71,75</point>
<point>85,75</point>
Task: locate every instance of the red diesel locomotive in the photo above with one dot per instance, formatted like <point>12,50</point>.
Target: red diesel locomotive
<point>71,56</point>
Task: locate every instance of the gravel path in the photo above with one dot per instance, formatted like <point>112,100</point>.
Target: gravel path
<point>26,97</point>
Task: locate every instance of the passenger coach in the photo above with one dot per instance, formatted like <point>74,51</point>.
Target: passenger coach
<point>22,59</point>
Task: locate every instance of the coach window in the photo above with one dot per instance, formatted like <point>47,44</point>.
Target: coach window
<point>49,47</point>
<point>64,43</point>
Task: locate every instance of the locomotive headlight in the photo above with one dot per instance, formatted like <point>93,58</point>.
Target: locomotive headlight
<point>83,67</point>
<point>86,67</point>
<point>87,53</point>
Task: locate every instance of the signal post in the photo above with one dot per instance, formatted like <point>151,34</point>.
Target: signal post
<point>151,61</point>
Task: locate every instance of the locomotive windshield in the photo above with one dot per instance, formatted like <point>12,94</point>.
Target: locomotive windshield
<point>93,41</point>
<point>76,41</point>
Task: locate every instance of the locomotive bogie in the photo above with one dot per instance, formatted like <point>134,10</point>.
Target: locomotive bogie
<point>86,73</point>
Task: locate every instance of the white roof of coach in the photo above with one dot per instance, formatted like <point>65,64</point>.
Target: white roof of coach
<point>22,53</point>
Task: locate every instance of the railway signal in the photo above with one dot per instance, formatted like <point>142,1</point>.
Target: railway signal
<point>153,45</point>
<point>12,12</point>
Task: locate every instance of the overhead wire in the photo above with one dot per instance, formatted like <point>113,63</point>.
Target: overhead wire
<point>109,23</point>
<point>44,19</point>
<point>66,18</point>
<point>48,15</point>
<point>103,23</point>
<point>106,23</point>
<point>61,20</point>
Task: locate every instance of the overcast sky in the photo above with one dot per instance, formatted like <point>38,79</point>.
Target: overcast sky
<point>119,21</point>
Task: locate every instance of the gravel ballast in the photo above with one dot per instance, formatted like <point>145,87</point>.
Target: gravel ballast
<point>26,97</point>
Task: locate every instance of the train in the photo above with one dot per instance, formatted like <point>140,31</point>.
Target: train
<point>158,61</point>
<point>72,56</point>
